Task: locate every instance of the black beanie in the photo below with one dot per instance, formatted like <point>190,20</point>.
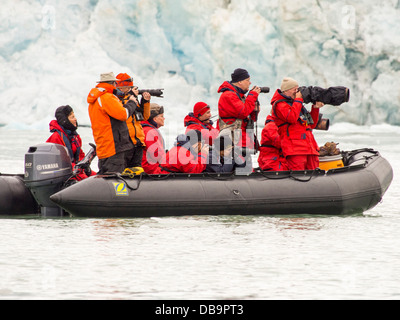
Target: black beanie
<point>239,75</point>
<point>62,114</point>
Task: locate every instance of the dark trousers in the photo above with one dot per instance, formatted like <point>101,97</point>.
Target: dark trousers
<point>118,162</point>
<point>115,163</point>
<point>134,157</point>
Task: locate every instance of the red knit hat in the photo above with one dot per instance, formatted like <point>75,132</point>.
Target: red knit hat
<point>124,80</point>
<point>200,108</point>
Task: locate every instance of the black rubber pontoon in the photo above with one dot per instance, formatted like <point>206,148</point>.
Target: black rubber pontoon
<point>15,197</point>
<point>355,188</point>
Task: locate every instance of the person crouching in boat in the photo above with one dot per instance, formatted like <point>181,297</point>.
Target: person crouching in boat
<point>271,157</point>
<point>222,159</point>
<point>64,133</point>
<point>200,119</point>
<point>189,155</point>
<point>154,151</point>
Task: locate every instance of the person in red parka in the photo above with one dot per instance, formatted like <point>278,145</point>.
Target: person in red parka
<point>64,133</point>
<point>200,119</point>
<point>154,152</point>
<point>189,155</point>
<point>271,157</point>
<point>235,107</point>
<point>295,126</point>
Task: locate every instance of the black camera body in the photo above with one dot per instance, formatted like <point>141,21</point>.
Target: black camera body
<point>333,95</point>
<point>264,89</point>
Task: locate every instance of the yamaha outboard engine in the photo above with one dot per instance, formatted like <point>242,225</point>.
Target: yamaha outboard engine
<point>47,168</point>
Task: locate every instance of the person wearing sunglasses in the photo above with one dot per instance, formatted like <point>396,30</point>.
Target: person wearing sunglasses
<point>141,113</point>
<point>200,119</point>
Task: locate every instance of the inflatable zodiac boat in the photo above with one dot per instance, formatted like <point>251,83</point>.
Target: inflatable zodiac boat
<point>355,185</point>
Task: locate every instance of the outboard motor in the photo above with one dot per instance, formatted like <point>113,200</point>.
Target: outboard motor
<point>47,168</point>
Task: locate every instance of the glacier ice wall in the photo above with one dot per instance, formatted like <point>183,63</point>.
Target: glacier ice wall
<point>52,52</point>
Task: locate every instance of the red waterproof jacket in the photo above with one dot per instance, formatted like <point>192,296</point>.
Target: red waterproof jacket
<point>180,159</point>
<point>154,152</point>
<point>294,131</point>
<point>233,104</point>
<point>271,156</point>
<point>208,132</point>
<point>72,142</point>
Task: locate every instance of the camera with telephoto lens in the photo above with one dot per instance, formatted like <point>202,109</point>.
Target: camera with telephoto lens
<point>264,89</point>
<point>153,92</point>
<point>333,95</point>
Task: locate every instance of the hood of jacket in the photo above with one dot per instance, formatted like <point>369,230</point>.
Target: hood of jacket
<point>278,95</point>
<point>191,119</point>
<point>55,126</point>
<point>229,86</point>
<point>98,91</point>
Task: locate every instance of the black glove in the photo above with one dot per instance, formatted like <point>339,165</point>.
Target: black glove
<point>131,106</point>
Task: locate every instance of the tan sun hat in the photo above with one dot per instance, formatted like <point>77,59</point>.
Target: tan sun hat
<point>107,77</point>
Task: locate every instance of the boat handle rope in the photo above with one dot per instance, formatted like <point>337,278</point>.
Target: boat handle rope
<point>217,176</point>
<point>158,176</point>
<point>304,180</point>
<point>131,177</point>
<point>290,176</point>
<point>119,176</point>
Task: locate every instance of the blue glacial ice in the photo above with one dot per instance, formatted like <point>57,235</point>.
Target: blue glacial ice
<point>52,52</point>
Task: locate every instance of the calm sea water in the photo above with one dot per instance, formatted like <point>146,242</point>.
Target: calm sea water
<point>207,257</point>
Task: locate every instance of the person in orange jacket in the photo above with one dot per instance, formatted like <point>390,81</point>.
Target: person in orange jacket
<point>271,157</point>
<point>295,126</point>
<point>142,113</point>
<point>108,118</point>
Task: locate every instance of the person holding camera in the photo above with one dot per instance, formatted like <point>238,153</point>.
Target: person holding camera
<point>108,118</point>
<point>141,113</point>
<point>236,110</point>
<point>200,119</point>
<point>295,125</point>
<point>189,155</point>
